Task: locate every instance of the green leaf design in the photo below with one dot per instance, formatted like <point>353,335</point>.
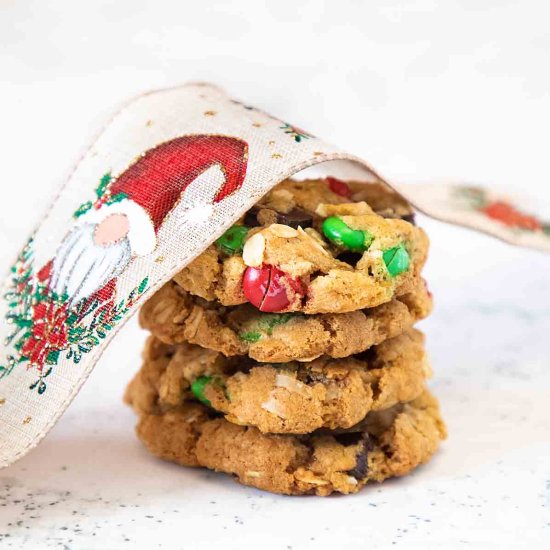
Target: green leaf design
<point>52,358</point>
<point>22,322</point>
<point>19,344</point>
<point>6,370</point>
<point>82,209</point>
<point>143,285</point>
<point>103,183</point>
<point>475,196</point>
<point>75,334</point>
<point>116,198</point>
<point>93,341</point>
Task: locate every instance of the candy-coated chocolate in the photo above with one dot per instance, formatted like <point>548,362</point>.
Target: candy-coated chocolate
<point>397,260</point>
<point>337,231</point>
<point>276,297</point>
<point>232,241</point>
<point>198,386</point>
<point>255,283</point>
<point>264,287</point>
<point>339,187</point>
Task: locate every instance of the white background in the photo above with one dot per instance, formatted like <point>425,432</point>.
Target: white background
<point>422,89</point>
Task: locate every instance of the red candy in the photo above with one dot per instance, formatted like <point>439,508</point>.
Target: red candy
<point>339,187</point>
<point>264,287</point>
<point>255,283</point>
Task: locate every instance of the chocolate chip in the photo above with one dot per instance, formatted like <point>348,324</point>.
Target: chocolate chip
<point>409,218</point>
<point>295,218</point>
<point>251,217</point>
<point>349,257</point>
<point>259,215</point>
<point>366,356</point>
<point>348,438</point>
<point>361,464</point>
<point>362,458</point>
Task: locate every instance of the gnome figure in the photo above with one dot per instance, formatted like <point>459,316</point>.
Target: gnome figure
<point>104,240</point>
<point>122,224</point>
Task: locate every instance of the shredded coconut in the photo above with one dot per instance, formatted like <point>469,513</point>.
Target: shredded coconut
<point>283,231</point>
<point>315,239</point>
<point>253,251</point>
<point>274,407</point>
<point>333,392</point>
<point>291,384</point>
<point>309,477</point>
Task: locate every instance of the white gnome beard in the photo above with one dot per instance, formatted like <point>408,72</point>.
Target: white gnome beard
<point>194,218</point>
<point>82,267</point>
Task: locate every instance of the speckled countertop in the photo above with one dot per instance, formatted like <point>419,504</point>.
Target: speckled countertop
<point>438,103</point>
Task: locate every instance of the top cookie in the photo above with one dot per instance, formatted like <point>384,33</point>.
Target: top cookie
<point>316,246</point>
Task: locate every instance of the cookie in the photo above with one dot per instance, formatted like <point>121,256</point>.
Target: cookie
<point>175,316</point>
<point>286,398</point>
<point>392,443</point>
<point>308,247</point>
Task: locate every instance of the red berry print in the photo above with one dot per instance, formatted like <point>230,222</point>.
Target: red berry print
<point>510,216</point>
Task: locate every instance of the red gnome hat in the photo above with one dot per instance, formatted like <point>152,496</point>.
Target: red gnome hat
<point>151,187</point>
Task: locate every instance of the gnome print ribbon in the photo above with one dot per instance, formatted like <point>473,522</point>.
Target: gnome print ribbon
<point>69,305</point>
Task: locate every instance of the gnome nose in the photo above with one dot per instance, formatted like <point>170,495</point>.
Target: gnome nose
<point>111,230</point>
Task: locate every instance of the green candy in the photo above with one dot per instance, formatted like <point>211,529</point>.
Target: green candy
<point>198,387</point>
<point>264,323</point>
<point>232,241</point>
<point>397,260</point>
<point>251,336</point>
<point>340,233</point>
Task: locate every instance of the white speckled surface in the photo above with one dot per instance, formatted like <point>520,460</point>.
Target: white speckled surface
<point>439,102</point>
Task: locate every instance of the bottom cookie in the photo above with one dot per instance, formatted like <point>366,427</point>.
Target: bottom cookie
<point>386,444</point>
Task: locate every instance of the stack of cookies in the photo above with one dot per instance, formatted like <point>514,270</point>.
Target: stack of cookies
<point>286,355</point>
